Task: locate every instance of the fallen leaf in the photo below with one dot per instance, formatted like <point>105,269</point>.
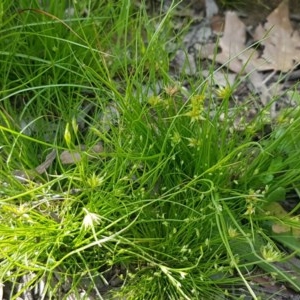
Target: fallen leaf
<point>238,58</point>
<point>211,8</point>
<point>72,157</point>
<point>234,54</point>
<point>280,228</point>
<point>66,157</point>
<point>221,78</point>
<point>69,157</point>
<point>275,209</point>
<point>232,43</point>
<point>40,169</point>
<point>281,42</point>
<point>25,175</point>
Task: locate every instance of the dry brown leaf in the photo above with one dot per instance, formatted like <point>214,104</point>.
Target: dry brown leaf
<point>281,42</point>
<point>68,157</point>
<point>71,157</point>
<point>277,210</point>
<point>25,175</point>
<point>40,169</point>
<point>211,8</point>
<point>232,42</point>
<point>234,54</point>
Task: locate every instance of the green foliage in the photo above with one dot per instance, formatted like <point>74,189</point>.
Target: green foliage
<point>177,196</point>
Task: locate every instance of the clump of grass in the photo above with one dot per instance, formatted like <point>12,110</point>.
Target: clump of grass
<point>176,202</point>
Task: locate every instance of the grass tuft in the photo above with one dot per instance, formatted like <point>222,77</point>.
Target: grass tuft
<point>147,185</point>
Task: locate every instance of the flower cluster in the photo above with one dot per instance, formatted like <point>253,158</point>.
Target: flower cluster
<point>196,108</point>
<point>251,201</point>
<point>270,254</point>
<point>224,92</point>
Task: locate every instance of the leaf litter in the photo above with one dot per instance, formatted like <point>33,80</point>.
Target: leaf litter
<point>275,48</point>
<point>281,42</point>
<point>66,157</point>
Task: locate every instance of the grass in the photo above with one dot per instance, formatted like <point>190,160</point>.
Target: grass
<point>177,204</point>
